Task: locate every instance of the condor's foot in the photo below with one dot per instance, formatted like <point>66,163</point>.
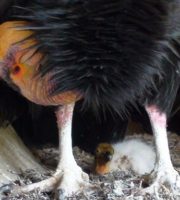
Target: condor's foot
<point>67,180</point>
<point>166,178</point>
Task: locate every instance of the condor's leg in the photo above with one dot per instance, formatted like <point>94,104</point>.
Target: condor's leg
<point>164,172</point>
<point>73,178</point>
<point>68,177</point>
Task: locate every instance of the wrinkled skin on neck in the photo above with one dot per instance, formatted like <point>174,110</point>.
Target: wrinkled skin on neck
<point>19,66</point>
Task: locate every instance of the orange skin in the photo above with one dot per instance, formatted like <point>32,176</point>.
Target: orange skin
<point>21,66</point>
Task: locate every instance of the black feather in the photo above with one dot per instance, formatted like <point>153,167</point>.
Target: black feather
<point>116,53</point>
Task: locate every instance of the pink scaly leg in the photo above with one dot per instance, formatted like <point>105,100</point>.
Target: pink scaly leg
<point>68,177</point>
<point>73,178</point>
<point>164,172</point>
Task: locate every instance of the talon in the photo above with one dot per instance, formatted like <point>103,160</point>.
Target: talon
<point>69,182</point>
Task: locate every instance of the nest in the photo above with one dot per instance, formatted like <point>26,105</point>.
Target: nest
<point>122,185</point>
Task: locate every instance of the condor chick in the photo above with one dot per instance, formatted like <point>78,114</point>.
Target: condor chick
<point>133,154</point>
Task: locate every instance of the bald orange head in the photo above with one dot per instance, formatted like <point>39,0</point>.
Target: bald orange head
<point>20,62</point>
<point>14,52</point>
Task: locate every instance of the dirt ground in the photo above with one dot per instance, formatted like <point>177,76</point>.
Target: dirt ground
<point>119,185</point>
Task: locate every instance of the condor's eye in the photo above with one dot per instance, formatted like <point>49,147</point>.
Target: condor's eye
<point>16,70</point>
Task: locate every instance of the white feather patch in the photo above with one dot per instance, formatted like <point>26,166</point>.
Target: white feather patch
<point>133,154</point>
